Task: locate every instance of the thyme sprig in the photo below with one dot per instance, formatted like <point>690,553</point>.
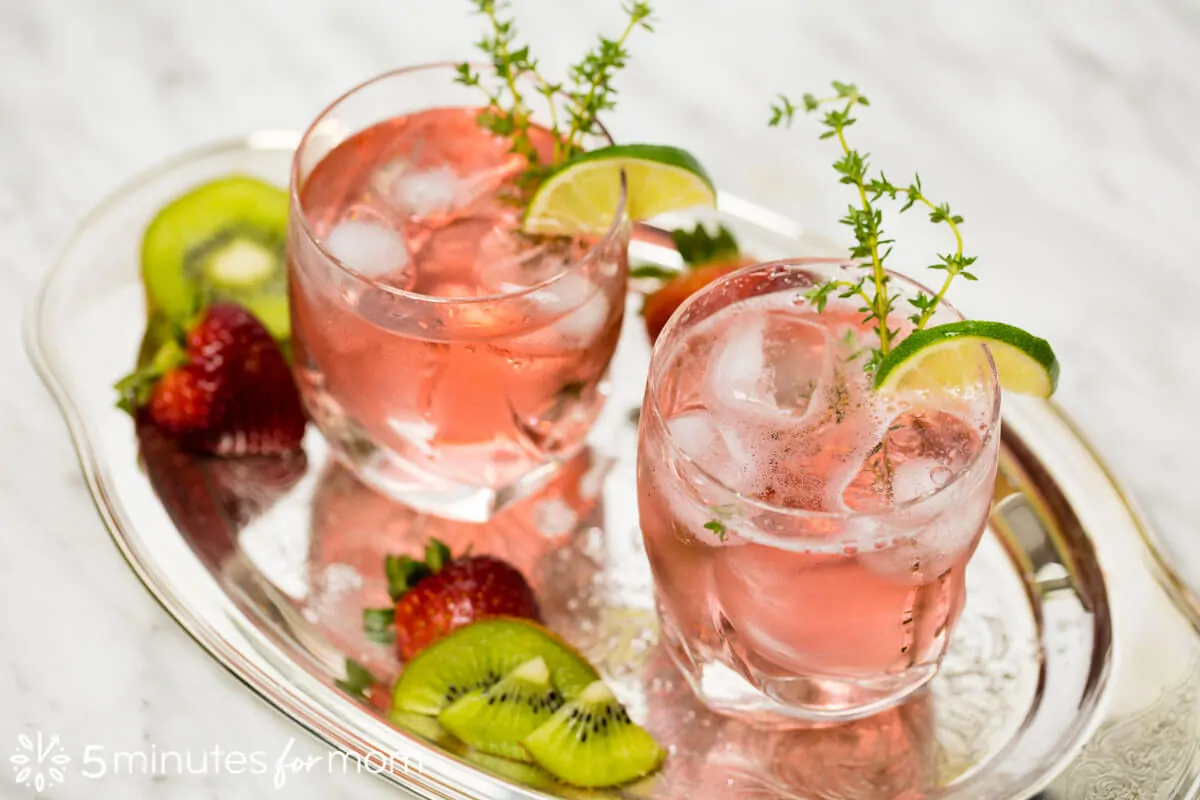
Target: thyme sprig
<point>872,247</point>
<point>587,92</point>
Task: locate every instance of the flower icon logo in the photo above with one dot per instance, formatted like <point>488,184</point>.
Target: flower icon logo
<point>39,762</point>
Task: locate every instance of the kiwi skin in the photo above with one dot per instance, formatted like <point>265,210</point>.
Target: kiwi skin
<point>591,742</point>
<point>494,720</point>
<point>479,655</point>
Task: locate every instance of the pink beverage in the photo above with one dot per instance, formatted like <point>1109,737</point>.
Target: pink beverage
<point>449,359</point>
<point>808,536</point>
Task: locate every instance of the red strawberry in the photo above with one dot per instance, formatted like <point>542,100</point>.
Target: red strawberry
<point>211,499</point>
<point>663,303</point>
<point>228,391</point>
<point>437,596</point>
<point>708,256</point>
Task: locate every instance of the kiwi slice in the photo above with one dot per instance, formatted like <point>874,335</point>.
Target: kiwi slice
<point>221,241</point>
<point>479,655</point>
<point>519,771</point>
<point>425,727</point>
<point>495,720</point>
<point>591,742</point>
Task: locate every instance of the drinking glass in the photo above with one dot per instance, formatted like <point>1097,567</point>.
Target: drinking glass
<point>449,360</point>
<point>808,535</point>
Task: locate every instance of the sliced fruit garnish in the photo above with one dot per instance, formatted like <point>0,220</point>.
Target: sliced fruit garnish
<point>582,196</point>
<point>495,720</point>
<point>478,656</point>
<point>221,241</point>
<point>440,594</point>
<point>592,742</point>
<point>951,355</point>
<point>426,727</point>
<point>520,771</point>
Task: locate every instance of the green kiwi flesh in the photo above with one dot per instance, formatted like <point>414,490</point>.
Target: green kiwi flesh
<point>223,240</point>
<point>518,771</point>
<point>425,727</point>
<point>591,742</point>
<point>477,656</point>
<point>495,720</point>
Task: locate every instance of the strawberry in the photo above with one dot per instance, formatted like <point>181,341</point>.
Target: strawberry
<point>659,307</point>
<point>708,257</point>
<point>227,389</point>
<point>437,596</point>
<point>211,499</point>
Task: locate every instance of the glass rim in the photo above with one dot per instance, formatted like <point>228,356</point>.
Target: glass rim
<point>677,453</point>
<point>296,207</point>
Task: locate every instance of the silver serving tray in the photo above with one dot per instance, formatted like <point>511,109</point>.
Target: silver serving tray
<point>1074,673</point>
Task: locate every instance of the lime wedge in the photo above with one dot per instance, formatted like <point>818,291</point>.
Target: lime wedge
<point>950,355</point>
<point>582,196</point>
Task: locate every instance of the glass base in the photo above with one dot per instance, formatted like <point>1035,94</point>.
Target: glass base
<point>794,701</point>
<point>401,480</point>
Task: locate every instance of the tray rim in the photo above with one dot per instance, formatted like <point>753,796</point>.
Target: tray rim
<point>224,652</point>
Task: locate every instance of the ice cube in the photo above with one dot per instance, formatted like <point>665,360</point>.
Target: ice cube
<point>774,364</point>
<point>584,309</point>
<point>427,192</point>
<point>719,449</point>
<point>695,434</point>
<point>368,248</point>
<point>736,376</point>
<point>796,355</point>
<point>509,262</point>
<point>913,478</point>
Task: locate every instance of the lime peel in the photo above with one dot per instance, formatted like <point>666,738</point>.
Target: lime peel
<point>943,356</point>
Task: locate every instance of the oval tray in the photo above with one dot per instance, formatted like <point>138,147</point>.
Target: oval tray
<point>1075,671</point>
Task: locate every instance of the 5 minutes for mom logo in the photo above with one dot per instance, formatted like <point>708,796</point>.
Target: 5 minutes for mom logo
<point>39,761</point>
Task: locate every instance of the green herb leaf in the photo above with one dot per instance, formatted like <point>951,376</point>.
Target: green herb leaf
<point>378,624</point>
<point>587,92</point>
<point>357,681</point>
<point>717,527</point>
<point>865,220</point>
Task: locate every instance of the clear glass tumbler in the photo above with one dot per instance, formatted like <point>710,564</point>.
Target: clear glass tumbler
<point>450,360</point>
<point>808,535</point>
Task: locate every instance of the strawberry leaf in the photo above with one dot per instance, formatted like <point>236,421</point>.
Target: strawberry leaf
<point>698,247</point>
<point>652,271</point>
<point>378,624</point>
<point>437,555</point>
<point>403,573</point>
<point>133,391</point>
<point>358,679</point>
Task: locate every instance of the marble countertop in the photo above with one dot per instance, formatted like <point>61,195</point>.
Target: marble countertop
<point>1065,132</point>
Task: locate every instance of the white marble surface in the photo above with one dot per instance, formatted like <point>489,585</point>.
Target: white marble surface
<point>1064,131</point>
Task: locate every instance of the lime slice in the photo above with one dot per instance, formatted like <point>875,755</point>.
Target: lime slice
<point>950,355</point>
<point>582,196</point>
